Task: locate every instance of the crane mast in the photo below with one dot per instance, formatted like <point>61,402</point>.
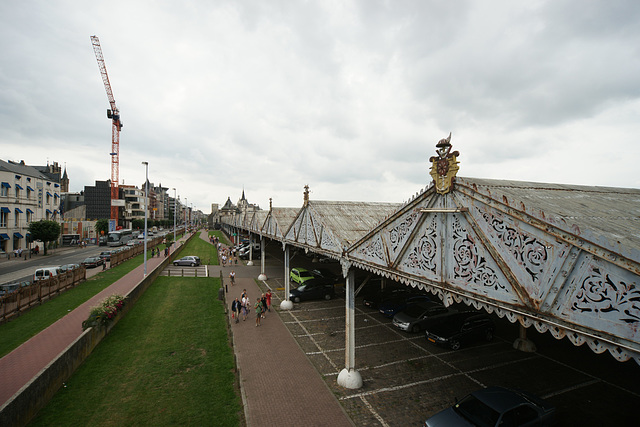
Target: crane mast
<point>114,114</point>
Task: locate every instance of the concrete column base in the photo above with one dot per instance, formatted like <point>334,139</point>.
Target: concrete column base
<point>350,379</point>
<point>524,345</point>
<point>250,263</point>
<point>262,277</point>
<point>286,305</point>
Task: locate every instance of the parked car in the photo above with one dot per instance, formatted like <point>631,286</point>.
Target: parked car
<point>314,288</point>
<point>461,328</point>
<point>43,273</point>
<point>191,261</point>
<point>106,255</point>
<point>325,273</point>
<point>300,275</point>
<point>416,317</point>
<point>92,262</point>
<point>9,288</point>
<point>68,267</point>
<point>374,297</point>
<point>392,306</point>
<point>496,406</point>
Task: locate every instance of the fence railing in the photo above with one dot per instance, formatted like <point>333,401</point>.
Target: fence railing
<point>26,297</point>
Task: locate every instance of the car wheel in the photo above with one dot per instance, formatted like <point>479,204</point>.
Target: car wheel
<point>455,345</point>
<point>193,264</point>
<point>175,263</point>
<point>489,335</point>
<point>415,328</point>
<point>296,299</point>
<point>327,297</point>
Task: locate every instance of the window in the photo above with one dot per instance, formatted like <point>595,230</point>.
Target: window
<point>17,215</point>
<point>29,216</point>
<point>4,191</point>
<point>29,190</point>
<point>4,218</point>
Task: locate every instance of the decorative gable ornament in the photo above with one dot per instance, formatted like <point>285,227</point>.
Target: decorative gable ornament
<point>444,166</point>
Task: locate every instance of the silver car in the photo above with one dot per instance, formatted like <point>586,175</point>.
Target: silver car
<point>191,261</point>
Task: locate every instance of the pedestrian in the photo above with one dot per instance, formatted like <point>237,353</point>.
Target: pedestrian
<point>232,277</point>
<point>268,297</point>
<point>245,307</point>
<point>235,310</point>
<point>258,308</point>
<point>263,302</point>
<point>104,265</point>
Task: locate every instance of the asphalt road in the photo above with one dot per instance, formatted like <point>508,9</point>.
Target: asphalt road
<point>19,269</point>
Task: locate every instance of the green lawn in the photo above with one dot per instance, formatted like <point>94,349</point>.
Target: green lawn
<point>168,362</point>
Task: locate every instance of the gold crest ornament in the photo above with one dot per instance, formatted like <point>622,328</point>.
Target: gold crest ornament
<point>444,166</point>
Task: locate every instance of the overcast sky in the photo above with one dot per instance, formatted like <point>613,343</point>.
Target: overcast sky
<point>349,97</point>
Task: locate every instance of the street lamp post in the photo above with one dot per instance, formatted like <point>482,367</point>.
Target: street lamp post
<point>186,207</point>
<point>175,201</point>
<point>146,213</point>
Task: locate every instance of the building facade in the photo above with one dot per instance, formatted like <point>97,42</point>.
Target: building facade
<point>26,195</point>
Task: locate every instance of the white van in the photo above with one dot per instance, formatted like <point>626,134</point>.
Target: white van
<point>45,273</point>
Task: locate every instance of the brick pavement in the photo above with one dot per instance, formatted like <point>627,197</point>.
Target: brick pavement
<point>25,362</point>
<point>280,386</point>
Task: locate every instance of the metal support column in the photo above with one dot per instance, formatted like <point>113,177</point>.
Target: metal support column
<point>349,377</point>
<point>262,275</point>
<point>286,304</point>
<point>250,249</point>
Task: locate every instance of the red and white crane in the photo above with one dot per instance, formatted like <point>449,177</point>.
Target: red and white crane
<point>114,114</point>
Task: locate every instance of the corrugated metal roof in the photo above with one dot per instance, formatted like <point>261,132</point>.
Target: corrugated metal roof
<point>607,216</point>
<point>283,217</point>
<point>349,221</point>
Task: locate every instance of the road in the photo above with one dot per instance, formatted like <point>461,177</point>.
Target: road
<point>18,269</point>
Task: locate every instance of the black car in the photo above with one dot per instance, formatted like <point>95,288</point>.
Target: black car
<point>418,316</point>
<point>92,262</point>
<point>373,298</point>
<point>315,288</point>
<point>496,406</point>
<point>325,273</point>
<point>461,328</point>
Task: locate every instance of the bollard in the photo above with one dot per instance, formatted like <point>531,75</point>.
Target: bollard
<point>221,294</point>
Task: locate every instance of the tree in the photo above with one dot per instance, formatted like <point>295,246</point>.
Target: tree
<point>44,230</point>
<point>138,224</point>
<point>102,226</point>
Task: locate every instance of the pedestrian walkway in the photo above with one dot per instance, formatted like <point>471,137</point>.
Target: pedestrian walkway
<point>279,384</point>
<point>20,366</point>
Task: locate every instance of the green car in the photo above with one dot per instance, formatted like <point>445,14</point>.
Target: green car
<point>300,275</point>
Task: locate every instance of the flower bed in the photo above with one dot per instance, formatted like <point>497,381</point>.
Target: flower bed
<point>104,313</point>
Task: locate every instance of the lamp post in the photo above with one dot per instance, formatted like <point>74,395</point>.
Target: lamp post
<point>175,201</point>
<point>186,208</point>
<point>146,212</point>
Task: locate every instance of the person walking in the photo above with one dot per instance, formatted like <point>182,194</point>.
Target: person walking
<point>232,277</point>
<point>245,307</point>
<point>268,296</point>
<point>263,303</point>
<point>258,308</point>
<point>235,309</point>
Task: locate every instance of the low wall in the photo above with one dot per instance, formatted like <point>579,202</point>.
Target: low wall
<point>26,403</point>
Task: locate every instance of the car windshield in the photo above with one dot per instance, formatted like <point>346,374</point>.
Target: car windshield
<point>477,412</point>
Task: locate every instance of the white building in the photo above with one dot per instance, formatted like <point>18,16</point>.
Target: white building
<point>26,195</point>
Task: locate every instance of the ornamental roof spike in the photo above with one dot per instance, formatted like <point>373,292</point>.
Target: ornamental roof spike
<point>444,166</point>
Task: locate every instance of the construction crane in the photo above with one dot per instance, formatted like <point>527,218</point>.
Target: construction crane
<point>114,114</point>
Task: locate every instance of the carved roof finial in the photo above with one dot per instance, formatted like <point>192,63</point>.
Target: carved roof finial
<point>306,195</point>
<point>444,167</point>
<point>270,204</point>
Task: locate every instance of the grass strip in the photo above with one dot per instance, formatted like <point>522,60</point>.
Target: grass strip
<point>168,362</point>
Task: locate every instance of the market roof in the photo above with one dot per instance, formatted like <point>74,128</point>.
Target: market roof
<point>607,216</point>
